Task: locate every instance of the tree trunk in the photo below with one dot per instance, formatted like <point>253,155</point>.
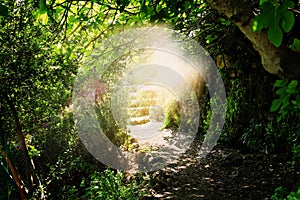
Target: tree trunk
<point>31,176</point>
<point>15,174</point>
<point>280,61</point>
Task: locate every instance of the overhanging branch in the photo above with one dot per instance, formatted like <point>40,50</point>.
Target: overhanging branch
<point>279,61</point>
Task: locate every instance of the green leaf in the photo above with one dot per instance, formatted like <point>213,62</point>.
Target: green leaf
<point>285,102</point>
<point>287,22</point>
<point>261,2</point>
<point>72,19</point>
<point>296,45</point>
<point>275,35</point>
<point>292,87</point>
<point>287,4</point>
<point>44,18</point>
<point>225,22</point>
<point>276,18</point>
<point>294,103</point>
<point>43,7</point>
<point>292,90</point>
<point>298,99</point>
<point>265,18</point>
<point>3,10</point>
<point>275,105</point>
<point>293,84</point>
<point>282,91</point>
<point>187,5</point>
<point>280,83</point>
<point>143,8</point>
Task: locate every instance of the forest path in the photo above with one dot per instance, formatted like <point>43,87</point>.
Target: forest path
<point>223,174</point>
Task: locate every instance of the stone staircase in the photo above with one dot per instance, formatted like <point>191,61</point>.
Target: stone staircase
<point>139,107</point>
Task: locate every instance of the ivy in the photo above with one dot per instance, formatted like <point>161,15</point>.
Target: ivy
<point>276,18</point>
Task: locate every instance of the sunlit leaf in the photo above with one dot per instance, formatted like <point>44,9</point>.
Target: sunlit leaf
<point>44,18</point>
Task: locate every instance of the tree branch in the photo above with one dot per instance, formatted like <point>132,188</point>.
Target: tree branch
<point>279,61</point>
<point>32,177</point>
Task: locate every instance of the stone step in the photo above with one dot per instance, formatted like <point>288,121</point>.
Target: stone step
<point>138,111</point>
<point>141,98</point>
<point>139,120</point>
<point>142,103</point>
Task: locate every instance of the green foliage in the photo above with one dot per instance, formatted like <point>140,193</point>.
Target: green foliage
<point>288,102</point>
<point>236,104</point>
<point>35,83</point>
<point>172,119</point>
<point>109,126</point>
<point>109,185</point>
<point>8,187</point>
<point>294,195</point>
<point>277,133</point>
<point>63,159</point>
<point>296,151</point>
<point>296,45</point>
<point>38,77</point>
<point>181,114</point>
<point>272,137</point>
<point>277,18</point>
<point>288,105</point>
<point>281,193</point>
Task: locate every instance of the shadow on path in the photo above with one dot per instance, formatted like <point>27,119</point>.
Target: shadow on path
<point>224,174</point>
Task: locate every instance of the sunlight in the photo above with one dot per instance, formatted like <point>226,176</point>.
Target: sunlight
<point>147,108</point>
<point>158,77</point>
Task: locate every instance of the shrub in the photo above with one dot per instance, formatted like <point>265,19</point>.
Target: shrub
<point>109,185</point>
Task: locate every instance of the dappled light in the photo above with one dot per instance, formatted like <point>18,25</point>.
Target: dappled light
<point>120,99</point>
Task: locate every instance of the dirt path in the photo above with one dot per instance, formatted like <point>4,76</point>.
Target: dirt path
<point>224,174</point>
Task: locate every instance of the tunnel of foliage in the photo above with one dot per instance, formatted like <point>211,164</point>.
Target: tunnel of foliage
<point>43,45</point>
